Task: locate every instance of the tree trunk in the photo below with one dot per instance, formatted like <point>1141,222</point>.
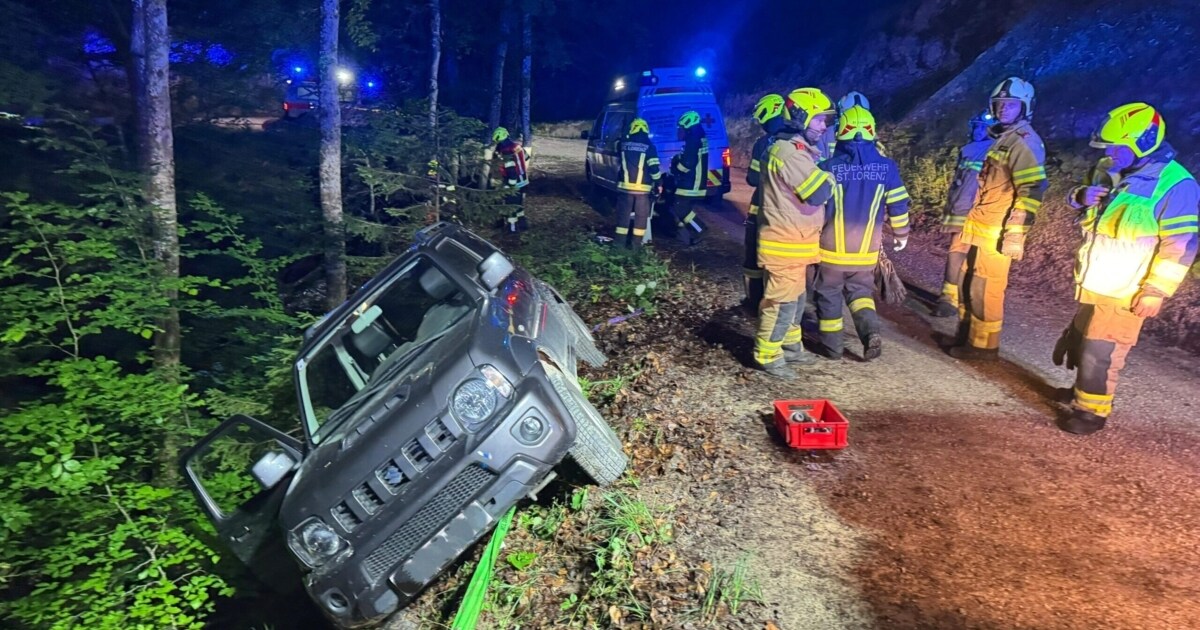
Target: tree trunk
<point>498,70</point>
<point>435,27</point>
<point>137,78</point>
<point>331,159</point>
<point>160,173</point>
<point>526,70</point>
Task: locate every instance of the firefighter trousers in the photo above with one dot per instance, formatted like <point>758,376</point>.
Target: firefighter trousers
<point>834,289</point>
<point>633,208</point>
<point>981,309</point>
<point>683,211</point>
<point>1096,345</point>
<point>956,267</point>
<point>752,274</point>
<point>780,311</point>
<point>515,221</point>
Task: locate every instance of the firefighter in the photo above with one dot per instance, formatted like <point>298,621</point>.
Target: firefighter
<point>638,180</point>
<point>868,188</point>
<point>689,170</point>
<point>1011,185</point>
<point>829,139</point>
<point>511,158</point>
<point>963,188</point>
<point>794,192</point>
<point>1139,223</point>
<point>772,115</point>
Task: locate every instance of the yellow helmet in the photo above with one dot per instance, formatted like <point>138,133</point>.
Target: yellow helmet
<point>689,119</point>
<point>499,135</point>
<point>1136,125</point>
<point>856,123</point>
<point>768,107</point>
<point>805,103</point>
<point>639,125</point>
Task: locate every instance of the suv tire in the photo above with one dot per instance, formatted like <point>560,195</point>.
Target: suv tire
<point>597,448</point>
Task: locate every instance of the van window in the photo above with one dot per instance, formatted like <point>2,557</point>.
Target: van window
<point>615,126</point>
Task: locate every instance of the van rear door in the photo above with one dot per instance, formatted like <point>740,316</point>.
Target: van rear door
<point>663,119</point>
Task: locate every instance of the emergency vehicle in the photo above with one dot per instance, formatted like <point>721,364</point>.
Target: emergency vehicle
<point>660,96</point>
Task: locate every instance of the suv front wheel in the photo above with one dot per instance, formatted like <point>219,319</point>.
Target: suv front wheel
<point>597,448</point>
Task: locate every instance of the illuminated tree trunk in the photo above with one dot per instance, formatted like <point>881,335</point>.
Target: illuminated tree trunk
<point>137,76</point>
<point>435,26</point>
<point>498,69</point>
<point>331,159</point>
<point>526,70</point>
<point>159,164</point>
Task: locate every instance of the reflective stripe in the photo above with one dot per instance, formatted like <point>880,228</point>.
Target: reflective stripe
<point>1184,219</point>
<point>1016,229</point>
<point>509,164</point>
<point>794,336</point>
<point>637,232</point>
<point>954,220</point>
<point>1168,270</point>
<point>1178,230</point>
<point>774,164</point>
<point>979,325</point>
<point>899,221</point>
<point>789,250</point>
<point>714,178</point>
<point>870,226</point>
<point>653,162</point>
<point>752,273</point>
<point>753,210</point>
<point>850,259</point>
<point>974,228</point>
<point>1029,175</point>
<point>839,219</point>
<point>862,303</point>
<point>622,230</point>
<point>831,325</point>
<point>950,290</point>
<point>1028,205</point>
<point>897,194</point>
<point>1099,404</point>
<point>811,184</point>
<point>755,165</point>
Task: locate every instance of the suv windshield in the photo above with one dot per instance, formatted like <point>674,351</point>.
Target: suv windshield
<point>374,342</point>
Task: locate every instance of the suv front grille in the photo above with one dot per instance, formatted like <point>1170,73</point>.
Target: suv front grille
<point>440,433</point>
<point>392,477</point>
<point>427,521</point>
<point>346,517</point>
<point>417,455</point>
<point>367,498</point>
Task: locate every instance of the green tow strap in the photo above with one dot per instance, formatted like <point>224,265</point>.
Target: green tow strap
<point>472,603</point>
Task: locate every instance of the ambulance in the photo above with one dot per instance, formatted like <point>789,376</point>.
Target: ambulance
<point>660,96</point>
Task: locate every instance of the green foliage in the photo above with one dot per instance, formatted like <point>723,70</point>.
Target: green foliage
<point>585,270</point>
<point>927,172</point>
<point>729,589</point>
<point>522,560</point>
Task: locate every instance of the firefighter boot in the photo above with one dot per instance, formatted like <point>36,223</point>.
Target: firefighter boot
<point>945,309</point>
<point>779,369</point>
<point>872,347</point>
<point>971,353</point>
<point>1081,422</point>
<point>795,355</point>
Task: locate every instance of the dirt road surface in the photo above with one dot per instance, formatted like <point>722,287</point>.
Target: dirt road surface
<point>958,503</point>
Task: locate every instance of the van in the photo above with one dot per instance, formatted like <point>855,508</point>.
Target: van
<point>660,96</point>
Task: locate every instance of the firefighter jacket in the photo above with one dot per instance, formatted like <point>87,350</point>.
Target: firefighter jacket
<point>1011,185</point>
<point>867,189</point>
<point>758,157</point>
<point>1141,237</point>
<point>965,184</point>
<point>639,164</point>
<point>511,157</point>
<point>794,196</point>
<point>690,168</point>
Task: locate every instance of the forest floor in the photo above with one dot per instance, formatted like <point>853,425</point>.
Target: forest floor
<point>958,503</point>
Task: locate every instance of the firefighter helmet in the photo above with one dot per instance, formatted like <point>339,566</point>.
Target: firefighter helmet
<point>856,123</point>
<point>499,135</point>
<point>805,103</point>
<point>768,107</point>
<point>1016,89</point>
<point>1137,126</point>
<point>639,125</point>
<point>689,119</point>
<point>853,99</point>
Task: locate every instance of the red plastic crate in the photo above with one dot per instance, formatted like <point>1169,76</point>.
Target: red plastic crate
<point>828,430</point>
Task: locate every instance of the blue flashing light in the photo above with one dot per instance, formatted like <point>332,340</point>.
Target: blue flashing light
<point>700,72</point>
<point>370,84</point>
<point>647,73</point>
<point>298,69</point>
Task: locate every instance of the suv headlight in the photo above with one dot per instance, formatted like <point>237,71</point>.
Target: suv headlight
<point>476,399</point>
<point>315,543</point>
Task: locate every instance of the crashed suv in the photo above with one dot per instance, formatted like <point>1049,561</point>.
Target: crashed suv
<point>432,401</point>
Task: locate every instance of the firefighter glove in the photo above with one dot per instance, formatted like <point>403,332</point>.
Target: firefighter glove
<point>1093,195</point>
<point>1013,246</point>
<point>1067,348</point>
<point>901,243</point>
<point>1147,304</point>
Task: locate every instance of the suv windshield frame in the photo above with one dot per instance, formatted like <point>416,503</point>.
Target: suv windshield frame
<point>317,430</point>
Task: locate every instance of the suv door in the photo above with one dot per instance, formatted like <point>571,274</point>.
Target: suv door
<point>240,473</point>
<point>616,123</point>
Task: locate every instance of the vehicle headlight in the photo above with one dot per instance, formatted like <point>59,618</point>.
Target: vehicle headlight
<point>530,429</point>
<point>315,543</point>
<point>474,401</point>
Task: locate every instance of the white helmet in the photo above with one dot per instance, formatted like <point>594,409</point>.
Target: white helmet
<point>853,99</point>
<point>1015,88</point>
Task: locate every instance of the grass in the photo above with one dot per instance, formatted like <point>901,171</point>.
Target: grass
<point>730,589</point>
<point>586,271</point>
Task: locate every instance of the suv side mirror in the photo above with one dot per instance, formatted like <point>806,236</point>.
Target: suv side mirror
<point>583,135</point>
<point>494,269</point>
<point>271,468</point>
